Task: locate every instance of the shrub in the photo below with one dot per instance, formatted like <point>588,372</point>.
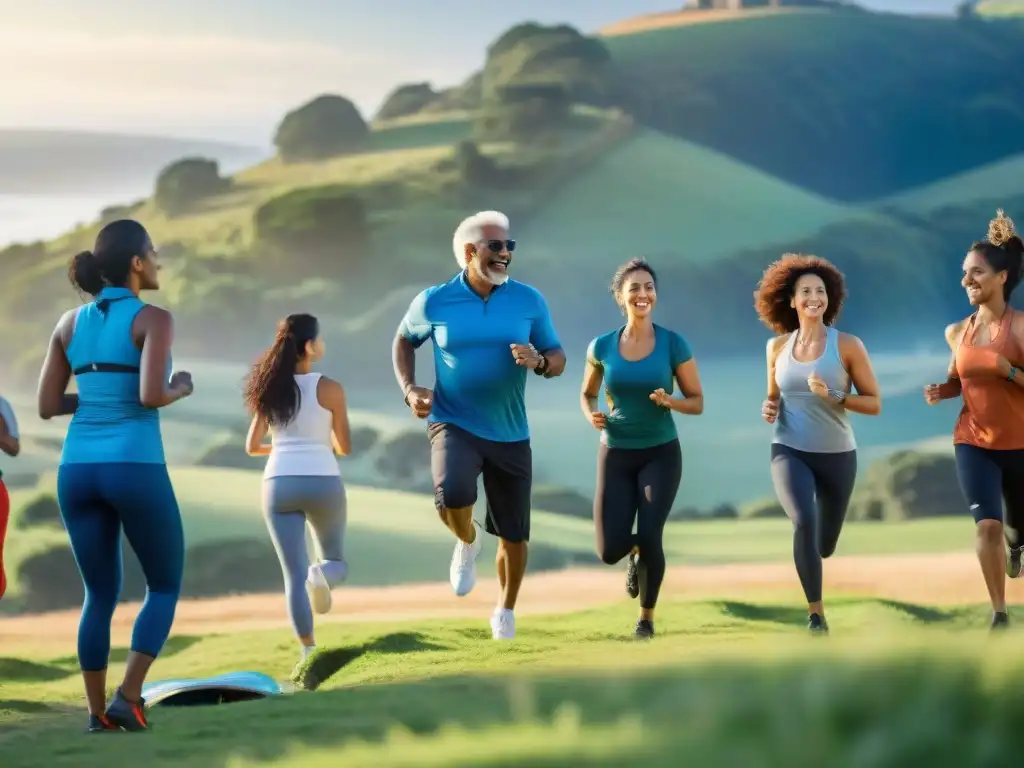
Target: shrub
<point>184,182</point>
<point>227,450</point>
<point>325,127</point>
<point>406,100</point>
<point>562,501</point>
<point>313,232</point>
<point>42,510</point>
<point>908,485</point>
<point>761,508</point>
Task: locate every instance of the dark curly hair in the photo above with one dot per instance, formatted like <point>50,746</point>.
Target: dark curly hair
<point>270,388</point>
<point>1003,249</point>
<point>775,291</point>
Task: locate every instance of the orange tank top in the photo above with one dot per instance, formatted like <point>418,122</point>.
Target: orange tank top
<point>993,412</point>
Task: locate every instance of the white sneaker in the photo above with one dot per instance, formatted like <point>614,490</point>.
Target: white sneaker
<point>462,573</point>
<point>503,624</point>
<point>318,589</point>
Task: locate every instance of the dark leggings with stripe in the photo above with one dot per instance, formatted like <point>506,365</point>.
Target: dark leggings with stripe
<point>97,502</point>
<point>815,490</point>
<point>637,485</point>
<point>988,478</point>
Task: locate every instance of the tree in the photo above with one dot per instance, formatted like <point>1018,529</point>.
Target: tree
<point>325,127</point>
<point>524,113</point>
<point>184,182</point>
<point>313,232</point>
<point>406,100</point>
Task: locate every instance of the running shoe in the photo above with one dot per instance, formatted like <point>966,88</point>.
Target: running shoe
<point>644,629</point>
<point>632,578</point>
<point>503,624</point>
<point>1000,620</point>
<point>816,624</point>
<point>101,724</point>
<point>128,715</point>
<point>318,589</point>
<point>462,573</point>
<point>1013,561</point>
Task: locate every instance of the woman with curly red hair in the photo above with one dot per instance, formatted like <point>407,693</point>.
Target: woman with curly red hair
<point>811,367</point>
<point>988,350</point>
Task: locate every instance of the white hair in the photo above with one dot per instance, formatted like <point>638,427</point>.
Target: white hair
<point>472,229</point>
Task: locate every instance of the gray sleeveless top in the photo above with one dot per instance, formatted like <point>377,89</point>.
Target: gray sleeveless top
<point>806,422</point>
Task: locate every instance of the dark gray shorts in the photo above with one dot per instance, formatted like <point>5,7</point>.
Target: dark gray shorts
<point>458,458</point>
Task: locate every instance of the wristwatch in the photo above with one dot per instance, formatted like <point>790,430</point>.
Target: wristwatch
<point>837,394</point>
<point>1013,372</point>
<point>540,369</point>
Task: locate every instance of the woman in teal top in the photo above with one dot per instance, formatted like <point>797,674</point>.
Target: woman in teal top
<point>639,462</point>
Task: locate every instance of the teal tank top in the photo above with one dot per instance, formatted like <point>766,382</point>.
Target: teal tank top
<point>634,421</point>
<point>110,425</point>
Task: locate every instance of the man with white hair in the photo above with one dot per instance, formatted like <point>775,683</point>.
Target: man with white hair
<point>486,331</point>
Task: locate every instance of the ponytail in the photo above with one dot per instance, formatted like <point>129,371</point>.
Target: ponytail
<point>270,389</point>
<point>85,274</point>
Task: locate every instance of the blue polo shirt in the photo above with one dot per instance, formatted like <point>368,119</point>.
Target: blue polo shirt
<point>478,385</point>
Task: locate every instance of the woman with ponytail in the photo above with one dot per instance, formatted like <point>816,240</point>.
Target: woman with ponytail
<point>112,474</point>
<point>988,351</point>
<point>307,419</point>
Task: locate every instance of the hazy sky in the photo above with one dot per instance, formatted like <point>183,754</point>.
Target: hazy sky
<point>229,69</point>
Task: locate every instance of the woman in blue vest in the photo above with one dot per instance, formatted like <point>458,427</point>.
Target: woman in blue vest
<point>113,475</point>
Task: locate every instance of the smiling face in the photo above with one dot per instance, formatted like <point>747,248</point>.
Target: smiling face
<point>490,257</point>
<point>980,280</point>
<point>638,294</point>
<point>810,299</point>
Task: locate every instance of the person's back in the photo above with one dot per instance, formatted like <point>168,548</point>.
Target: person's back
<point>110,424</point>
<point>807,422</point>
<point>303,446</point>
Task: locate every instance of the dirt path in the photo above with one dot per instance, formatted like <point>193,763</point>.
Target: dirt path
<point>947,579</point>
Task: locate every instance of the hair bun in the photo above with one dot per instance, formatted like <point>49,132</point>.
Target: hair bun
<point>1001,229</point>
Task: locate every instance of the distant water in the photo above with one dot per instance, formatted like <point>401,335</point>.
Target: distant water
<point>28,217</point>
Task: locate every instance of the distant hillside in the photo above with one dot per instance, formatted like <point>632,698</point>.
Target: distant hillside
<point>1001,8</point>
<point>50,161</point>
<point>851,104</point>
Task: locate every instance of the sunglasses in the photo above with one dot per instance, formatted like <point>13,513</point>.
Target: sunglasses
<point>497,246</point>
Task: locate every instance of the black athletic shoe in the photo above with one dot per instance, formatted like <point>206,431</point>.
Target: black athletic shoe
<point>632,578</point>
<point>1013,562</point>
<point>128,715</point>
<point>1000,620</point>
<point>644,629</point>
<point>101,724</point>
<point>816,624</point>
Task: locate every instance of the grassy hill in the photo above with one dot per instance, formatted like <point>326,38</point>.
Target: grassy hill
<point>851,104</point>
<point>1001,8</point>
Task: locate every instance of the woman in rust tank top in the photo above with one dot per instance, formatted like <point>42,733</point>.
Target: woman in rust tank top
<point>988,351</point>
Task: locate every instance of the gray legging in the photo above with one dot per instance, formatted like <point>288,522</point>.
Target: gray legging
<point>289,502</point>
<point>815,490</point>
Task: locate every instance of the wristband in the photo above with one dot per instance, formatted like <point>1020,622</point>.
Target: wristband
<point>1013,372</point>
<point>540,369</point>
<point>837,394</point>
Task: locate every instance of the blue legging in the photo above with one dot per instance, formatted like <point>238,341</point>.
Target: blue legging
<point>96,502</point>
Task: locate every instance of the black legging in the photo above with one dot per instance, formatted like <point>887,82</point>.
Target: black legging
<point>636,484</point>
<point>815,490</point>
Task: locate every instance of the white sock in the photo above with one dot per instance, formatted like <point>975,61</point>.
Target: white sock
<point>306,650</point>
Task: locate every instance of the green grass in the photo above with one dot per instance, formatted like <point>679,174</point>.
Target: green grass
<point>989,182</point>
<point>725,683</point>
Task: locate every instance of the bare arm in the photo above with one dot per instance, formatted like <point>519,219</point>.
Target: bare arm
<point>8,443</point>
<point>952,387</point>
<point>692,401</point>
<point>403,358</point>
<point>1017,329</point>
<point>868,400</point>
<point>254,445</point>
<point>51,395</point>
<point>332,397</point>
<point>772,353</point>
<point>157,328</point>
<point>593,375</point>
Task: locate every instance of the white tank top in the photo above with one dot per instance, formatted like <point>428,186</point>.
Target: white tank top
<point>303,446</point>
